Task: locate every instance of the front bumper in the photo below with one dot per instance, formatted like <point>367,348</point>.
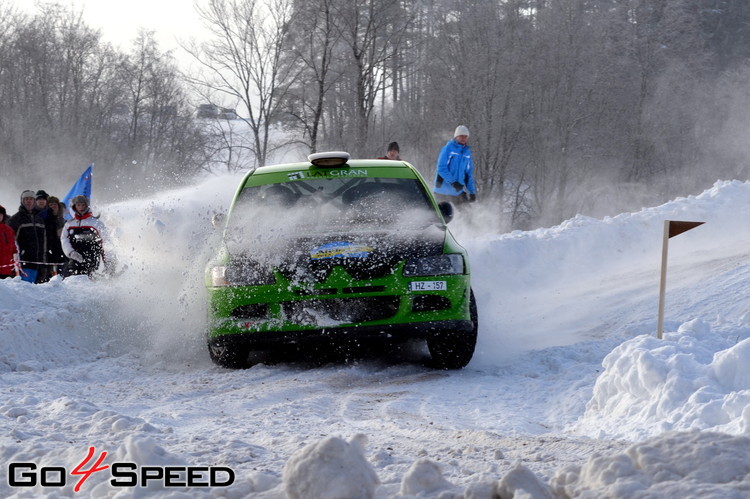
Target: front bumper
<point>259,340</point>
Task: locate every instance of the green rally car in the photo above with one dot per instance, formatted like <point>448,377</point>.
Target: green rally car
<point>337,250</point>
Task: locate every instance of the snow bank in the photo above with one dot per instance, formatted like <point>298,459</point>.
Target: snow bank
<point>588,277</point>
<point>424,478</point>
<point>331,468</point>
<point>676,464</point>
<point>47,326</point>
<point>692,379</point>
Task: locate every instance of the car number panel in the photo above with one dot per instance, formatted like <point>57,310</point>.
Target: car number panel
<point>428,286</point>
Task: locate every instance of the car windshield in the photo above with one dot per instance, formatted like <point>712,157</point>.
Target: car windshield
<point>332,204</point>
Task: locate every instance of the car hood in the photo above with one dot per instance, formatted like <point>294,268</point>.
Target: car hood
<point>362,254</point>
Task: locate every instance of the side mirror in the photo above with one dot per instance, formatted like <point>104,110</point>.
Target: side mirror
<point>218,220</point>
<point>446,209</point>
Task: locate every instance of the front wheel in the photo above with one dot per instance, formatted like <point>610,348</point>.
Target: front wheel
<point>454,349</point>
<point>229,357</point>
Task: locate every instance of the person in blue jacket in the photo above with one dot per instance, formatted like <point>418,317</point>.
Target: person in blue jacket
<point>454,176</point>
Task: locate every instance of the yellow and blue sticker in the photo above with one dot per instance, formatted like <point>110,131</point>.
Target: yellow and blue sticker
<point>341,249</point>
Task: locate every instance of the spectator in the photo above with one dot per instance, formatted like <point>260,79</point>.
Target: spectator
<point>53,253</point>
<point>63,211</point>
<point>41,200</point>
<point>454,178</point>
<point>8,248</point>
<point>392,152</point>
<point>58,210</point>
<point>83,240</point>
<point>31,238</point>
<point>55,222</point>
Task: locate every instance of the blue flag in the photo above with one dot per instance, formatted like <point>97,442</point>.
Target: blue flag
<point>82,186</point>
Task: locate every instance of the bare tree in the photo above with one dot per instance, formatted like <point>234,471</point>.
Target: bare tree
<point>160,139</point>
<point>373,32</point>
<point>9,79</point>
<point>312,42</point>
<point>243,61</point>
<point>565,96</point>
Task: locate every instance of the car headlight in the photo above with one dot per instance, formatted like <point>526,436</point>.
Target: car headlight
<point>435,265</point>
<point>241,273</point>
<point>218,276</point>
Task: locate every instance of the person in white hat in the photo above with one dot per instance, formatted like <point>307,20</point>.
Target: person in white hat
<point>454,175</point>
<point>84,240</point>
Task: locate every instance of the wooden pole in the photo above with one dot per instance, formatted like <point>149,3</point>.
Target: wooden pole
<point>671,228</point>
<point>663,283</point>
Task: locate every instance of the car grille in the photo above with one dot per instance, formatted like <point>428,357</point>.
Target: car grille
<point>429,303</point>
<point>308,270</point>
<point>337,311</point>
<point>257,311</point>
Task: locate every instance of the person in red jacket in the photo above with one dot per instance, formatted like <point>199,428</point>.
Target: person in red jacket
<point>8,248</point>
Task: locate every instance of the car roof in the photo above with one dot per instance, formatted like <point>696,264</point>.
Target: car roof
<point>352,163</point>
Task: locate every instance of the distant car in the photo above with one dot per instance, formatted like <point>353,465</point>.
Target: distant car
<point>207,111</point>
<point>228,114</point>
<point>215,112</point>
<point>336,250</point>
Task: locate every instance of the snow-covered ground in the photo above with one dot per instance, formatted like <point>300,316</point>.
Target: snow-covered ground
<point>570,394</point>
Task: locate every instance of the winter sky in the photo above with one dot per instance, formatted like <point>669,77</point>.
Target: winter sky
<point>171,20</point>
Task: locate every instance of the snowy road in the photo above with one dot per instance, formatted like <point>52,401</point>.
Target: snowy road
<point>120,365</point>
<point>475,424</point>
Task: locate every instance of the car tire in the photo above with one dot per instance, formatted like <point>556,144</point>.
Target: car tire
<point>229,357</point>
<point>454,349</point>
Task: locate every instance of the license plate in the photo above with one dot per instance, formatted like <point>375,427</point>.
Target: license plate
<point>427,286</point>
